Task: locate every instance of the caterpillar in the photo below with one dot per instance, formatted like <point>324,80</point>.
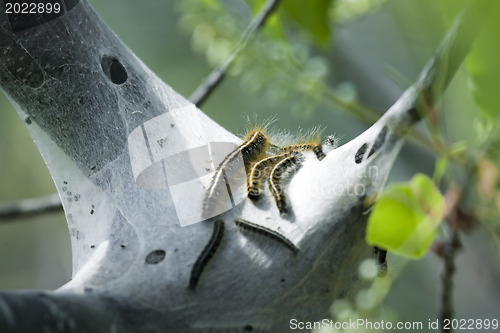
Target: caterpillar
<point>207,253</point>
<point>286,164</point>
<point>315,146</point>
<point>247,225</point>
<point>254,146</point>
<point>264,162</point>
<point>258,171</point>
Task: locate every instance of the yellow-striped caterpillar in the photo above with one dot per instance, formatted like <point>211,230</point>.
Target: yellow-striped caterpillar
<point>279,171</point>
<point>253,148</point>
<point>258,172</point>
<point>265,162</point>
<point>314,146</point>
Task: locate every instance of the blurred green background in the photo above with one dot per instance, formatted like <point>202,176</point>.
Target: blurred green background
<point>373,56</point>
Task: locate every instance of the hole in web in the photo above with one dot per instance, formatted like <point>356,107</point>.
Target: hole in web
<point>155,257</point>
<point>360,153</point>
<point>113,70</point>
<point>379,141</point>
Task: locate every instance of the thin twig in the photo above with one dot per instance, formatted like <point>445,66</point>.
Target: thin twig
<point>450,250</point>
<point>34,206</point>
<point>456,221</point>
<point>213,80</point>
<point>362,112</point>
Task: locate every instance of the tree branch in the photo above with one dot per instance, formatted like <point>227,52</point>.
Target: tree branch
<point>449,250</point>
<point>47,204</point>
<point>456,221</point>
<point>215,78</point>
<point>35,311</point>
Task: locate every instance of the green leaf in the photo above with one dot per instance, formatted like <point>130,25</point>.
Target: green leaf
<point>484,67</point>
<point>405,218</point>
<point>311,16</point>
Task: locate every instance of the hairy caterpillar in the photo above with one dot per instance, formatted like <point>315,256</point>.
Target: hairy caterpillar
<point>264,162</point>
<point>258,171</point>
<point>314,146</point>
<point>276,176</point>
<point>254,146</point>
